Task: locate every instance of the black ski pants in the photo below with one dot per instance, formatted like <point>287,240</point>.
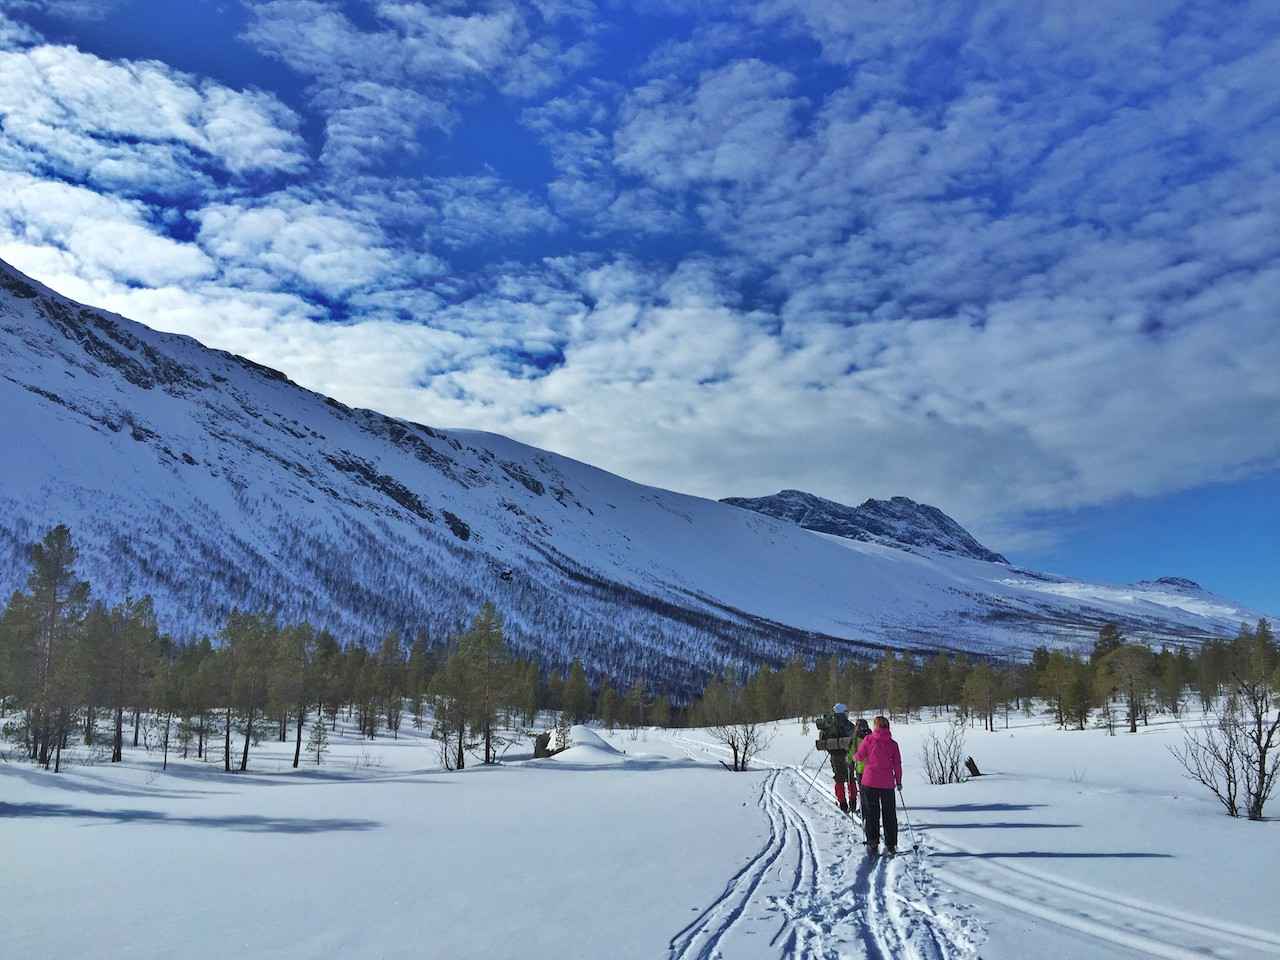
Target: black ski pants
<point>879,804</point>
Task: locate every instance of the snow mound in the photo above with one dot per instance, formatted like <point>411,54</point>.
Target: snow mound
<point>587,746</point>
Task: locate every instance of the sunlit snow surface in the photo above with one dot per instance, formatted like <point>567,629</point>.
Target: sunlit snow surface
<point>631,845</point>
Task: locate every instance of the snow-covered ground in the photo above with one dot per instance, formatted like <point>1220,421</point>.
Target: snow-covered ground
<point>1072,845</point>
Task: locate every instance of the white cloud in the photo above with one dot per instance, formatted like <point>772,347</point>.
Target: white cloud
<point>471,210</point>
<point>285,240</point>
<point>1018,260</point>
<point>136,126</point>
<point>108,237</point>
<point>382,83</point>
<point>732,127</point>
<point>14,34</point>
<point>70,9</point>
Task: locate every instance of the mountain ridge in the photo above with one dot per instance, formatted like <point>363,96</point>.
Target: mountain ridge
<point>897,522</point>
<point>210,481</point>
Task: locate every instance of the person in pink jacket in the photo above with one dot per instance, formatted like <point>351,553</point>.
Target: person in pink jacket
<point>883,772</point>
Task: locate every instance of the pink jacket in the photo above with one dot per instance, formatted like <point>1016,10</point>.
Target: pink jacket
<point>884,761</point>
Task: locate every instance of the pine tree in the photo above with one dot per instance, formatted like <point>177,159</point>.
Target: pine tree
<point>660,712</point>
<point>633,706</point>
<point>1110,639</point>
<point>610,706</point>
<point>1132,667</point>
<point>251,646</point>
<point>317,741</point>
<point>577,695</point>
<point>487,674</point>
<point>56,604</point>
<point>391,666</point>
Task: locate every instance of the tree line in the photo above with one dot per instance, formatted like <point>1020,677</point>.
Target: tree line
<point>1117,681</point>
<point>72,666</point>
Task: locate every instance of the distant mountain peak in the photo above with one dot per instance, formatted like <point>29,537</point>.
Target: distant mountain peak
<point>1178,583</point>
<point>896,522</point>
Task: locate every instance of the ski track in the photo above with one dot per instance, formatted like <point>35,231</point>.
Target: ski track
<point>811,878</point>
<point>1149,929</point>
<point>890,907</point>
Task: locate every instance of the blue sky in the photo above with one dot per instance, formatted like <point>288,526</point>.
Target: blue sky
<point>1017,259</point>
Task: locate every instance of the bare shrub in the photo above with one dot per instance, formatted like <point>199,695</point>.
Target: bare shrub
<point>943,756</point>
<point>1237,755</point>
<point>1213,756</point>
<point>744,740</point>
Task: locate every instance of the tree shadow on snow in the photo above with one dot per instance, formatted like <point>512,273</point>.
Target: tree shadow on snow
<point>998,825</point>
<point>625,762</point>
<point>245,823</point>
<point>75,781</point>
<point>214,774</point>
<point>1050,855</point>
<point>981,807</point>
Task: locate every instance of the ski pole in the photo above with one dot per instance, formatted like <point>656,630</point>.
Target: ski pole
<point>814,778</point>
<point>915,841</point>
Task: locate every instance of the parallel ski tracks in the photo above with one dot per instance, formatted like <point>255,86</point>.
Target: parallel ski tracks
<point>870,903</point>
<point>823,910</point>
<point>1122,921</point>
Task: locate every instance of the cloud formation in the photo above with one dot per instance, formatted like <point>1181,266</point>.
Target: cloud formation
<point>1004,259</point>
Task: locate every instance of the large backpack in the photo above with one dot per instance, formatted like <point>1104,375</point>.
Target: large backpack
<point>836,730</point>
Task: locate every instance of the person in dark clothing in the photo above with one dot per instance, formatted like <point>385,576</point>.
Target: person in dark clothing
<point>882,773</point>
<point>837,727</point>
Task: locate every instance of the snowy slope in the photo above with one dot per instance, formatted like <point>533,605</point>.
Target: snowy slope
<point>210,482</point>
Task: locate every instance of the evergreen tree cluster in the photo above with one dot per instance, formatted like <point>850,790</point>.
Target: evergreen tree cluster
<point>1117,681</point>
<point>74,667</point>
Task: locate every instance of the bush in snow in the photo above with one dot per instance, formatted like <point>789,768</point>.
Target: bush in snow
<point>1237,754</point>
<point>943,756</point>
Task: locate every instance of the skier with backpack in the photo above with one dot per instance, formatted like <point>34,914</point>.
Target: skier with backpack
<point>881,774</point>
<point>836,736</point>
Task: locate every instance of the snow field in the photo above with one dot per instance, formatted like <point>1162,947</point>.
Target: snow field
<point>633,845</point>
<point>570,857</point>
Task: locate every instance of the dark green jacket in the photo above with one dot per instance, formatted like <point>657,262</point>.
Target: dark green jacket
<point>834,725</point>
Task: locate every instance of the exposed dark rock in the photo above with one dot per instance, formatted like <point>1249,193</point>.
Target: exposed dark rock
<point>522,476</point>
<point>899,522</point>
<point>389,486</point>
<point>457,525</point>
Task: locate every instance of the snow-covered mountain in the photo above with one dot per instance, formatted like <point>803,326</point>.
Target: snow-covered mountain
<point>899,522</point>
<point>209,481</point>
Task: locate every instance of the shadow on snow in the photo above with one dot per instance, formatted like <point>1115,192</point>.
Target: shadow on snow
<point>998,825</point>
<point>1049,855</point>
<point>246,823</point>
